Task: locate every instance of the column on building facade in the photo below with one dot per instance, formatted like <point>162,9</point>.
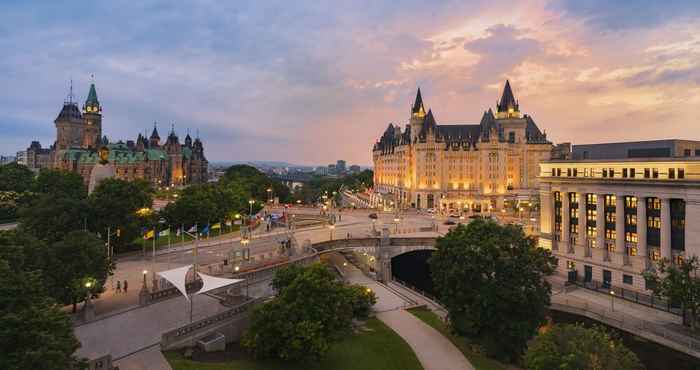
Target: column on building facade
<point>547,212</point>
<point>692,233</point>
<point>620,223</point>
<point>582,235</point>
<point>665,228</point>
<point>564,216</point>
<point>600,220</point>
<point>642,250</point>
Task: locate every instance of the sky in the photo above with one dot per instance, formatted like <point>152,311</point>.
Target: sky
<point>310,82</point>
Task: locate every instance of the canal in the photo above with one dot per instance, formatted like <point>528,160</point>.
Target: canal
<point>654,356</point>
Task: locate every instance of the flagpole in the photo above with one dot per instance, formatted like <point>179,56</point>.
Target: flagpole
<point>169,252</point>
<point>182,231</point>
<point>155,235</point>
<point>194,255</point>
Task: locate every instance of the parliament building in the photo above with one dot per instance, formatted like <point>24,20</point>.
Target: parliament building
<point>487,166</point>
<point>79,138</point>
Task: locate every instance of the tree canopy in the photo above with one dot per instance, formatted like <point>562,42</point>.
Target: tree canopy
<point>566,346</point>
<point>114,204</point>
<point>34,332</point>
<point>679,283</point>
<point>16,177</point>
<point>310,312</point>
<point>491,280</point>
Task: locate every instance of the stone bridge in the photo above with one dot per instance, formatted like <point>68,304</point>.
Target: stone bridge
<point>383,249</point>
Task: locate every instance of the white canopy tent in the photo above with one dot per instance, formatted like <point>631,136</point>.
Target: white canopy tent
<point>211,282</point>
<point>178,276</point>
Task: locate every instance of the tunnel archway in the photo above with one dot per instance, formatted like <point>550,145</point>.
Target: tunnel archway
<point>413,268</point>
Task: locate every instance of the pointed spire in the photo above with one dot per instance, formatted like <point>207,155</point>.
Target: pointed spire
<point>418,107</point>
<point>92,96</point>
<point>507,104</point>
<point>154,134</point>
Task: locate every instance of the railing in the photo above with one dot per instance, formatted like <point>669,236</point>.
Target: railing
<point>201,327</point>
<point>624,321</point>
<point>631,295</point>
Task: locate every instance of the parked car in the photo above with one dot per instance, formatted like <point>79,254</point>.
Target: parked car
<point>454,215</point>
<point>373,215</point>
<point>450,222</point>
<point>475,216</point>
<point>431,210</point>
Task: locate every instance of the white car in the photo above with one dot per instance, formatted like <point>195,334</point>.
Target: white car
<point>431,210</point>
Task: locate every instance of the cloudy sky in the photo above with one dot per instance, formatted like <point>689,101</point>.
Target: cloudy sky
<point>315,81</point>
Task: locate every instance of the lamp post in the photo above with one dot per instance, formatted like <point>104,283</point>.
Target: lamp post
<point>612,300</point>
<point>269,195</point>
<point>250,212</point>
<point>396,224</point>
<point>331,227</point>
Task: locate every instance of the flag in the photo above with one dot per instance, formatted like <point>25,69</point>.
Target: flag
<point>192,229</point>
<point>228,222</point>
<point>149,234</point>
<point>165,232</point>
<point>205,230</point>
<point>216,226</point>
<point>178,231</point>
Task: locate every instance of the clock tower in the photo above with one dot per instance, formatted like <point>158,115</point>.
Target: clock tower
<point>92,114</point>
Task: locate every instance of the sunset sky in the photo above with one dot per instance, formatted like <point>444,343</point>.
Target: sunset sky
<point>309,83</point>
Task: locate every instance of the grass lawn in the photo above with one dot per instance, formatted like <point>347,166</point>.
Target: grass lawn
<point>479,360</point>
<point>377,348</point>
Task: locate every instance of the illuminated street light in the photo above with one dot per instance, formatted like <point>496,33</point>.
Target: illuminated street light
<point>237,268</point>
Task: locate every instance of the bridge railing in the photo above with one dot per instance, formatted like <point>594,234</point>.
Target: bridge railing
<point>626,322</point>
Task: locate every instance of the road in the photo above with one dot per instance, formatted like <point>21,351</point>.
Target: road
<point>264,246</point>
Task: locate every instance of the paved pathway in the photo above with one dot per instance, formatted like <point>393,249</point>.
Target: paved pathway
<point>434,351</point>
<point>149,359</point>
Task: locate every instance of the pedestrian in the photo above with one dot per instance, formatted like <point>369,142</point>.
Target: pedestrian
<point>126,286</point>
<point>119,286</point>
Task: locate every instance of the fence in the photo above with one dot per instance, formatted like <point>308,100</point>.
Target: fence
<point>631,295</point>
<point>620,320</point>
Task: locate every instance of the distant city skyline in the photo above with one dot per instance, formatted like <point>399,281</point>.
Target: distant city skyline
<point>318,81</point>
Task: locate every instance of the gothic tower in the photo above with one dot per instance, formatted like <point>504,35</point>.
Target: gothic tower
<point>508,106</point>
<point>417,116</point>
<point>69,124</point>
<point>92,114</point>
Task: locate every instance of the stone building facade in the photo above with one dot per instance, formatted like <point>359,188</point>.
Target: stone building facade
<point>79,137</point>
<point>608,220</point>
<point>484,166</point>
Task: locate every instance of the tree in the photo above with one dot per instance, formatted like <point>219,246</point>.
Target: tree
<point>60,183</point>
<point>50,216</point>
<point>77,258</point>
<point>34,332</point>
<point>491,280</point>
<point>566,346</point>
<point>114,204</point>
<point>311,311</point>
<point>16,177</point>
<point>678,283</point>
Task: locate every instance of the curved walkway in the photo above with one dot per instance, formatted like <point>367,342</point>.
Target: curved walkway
<point>434,351</point>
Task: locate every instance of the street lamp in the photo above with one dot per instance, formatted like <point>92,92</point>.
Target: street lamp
<point>396,224</point>
<point>331,227</point>
<point>145,286</point>
<point>612,300</point>
<point>250,202</point>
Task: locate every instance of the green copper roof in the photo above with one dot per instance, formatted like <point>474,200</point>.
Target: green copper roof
<point>92,96</point>
<point>186,152</point>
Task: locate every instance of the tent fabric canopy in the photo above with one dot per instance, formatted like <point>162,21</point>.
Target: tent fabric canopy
<point>211,282</point>
<point>177,277</point>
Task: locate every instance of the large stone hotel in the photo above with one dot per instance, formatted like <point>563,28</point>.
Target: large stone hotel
<point>79,137</point>
<point>485,166</point>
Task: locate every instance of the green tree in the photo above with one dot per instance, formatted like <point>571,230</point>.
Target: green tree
<point>34,332</point>
<point>491,280</point>
<point>311,311</point>
<point>362,299</point>
<point>50,216</point>
<point>679,283</point>
<point>15,177</point>
<point>567,346</point>
<point>114,204</point>
<point>60,183</point>
<point>78,257</point>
